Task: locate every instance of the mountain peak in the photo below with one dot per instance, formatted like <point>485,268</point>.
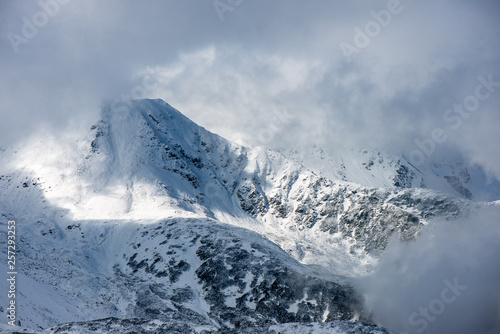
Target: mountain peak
<point>143,126</point>
<point>172,190</point>
<point>155,114</point>
<point>150,142</point>
<point>145,107</point>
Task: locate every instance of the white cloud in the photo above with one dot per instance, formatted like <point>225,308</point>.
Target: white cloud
<point>446,281</point>
<point>264,60</point>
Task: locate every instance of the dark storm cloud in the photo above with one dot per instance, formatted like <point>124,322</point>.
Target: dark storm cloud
<point>278,63</point>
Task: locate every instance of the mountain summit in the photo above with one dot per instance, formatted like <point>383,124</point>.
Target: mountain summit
<point>150,220</point>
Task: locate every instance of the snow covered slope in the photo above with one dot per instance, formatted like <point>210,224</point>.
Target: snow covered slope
<point>225,275</point>
<point>151,162</point>
<point>149,216</point>
<point>373,168</point>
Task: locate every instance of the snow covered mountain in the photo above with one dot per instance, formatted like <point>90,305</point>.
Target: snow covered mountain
<point>373,168</point>
<point>149,221</point>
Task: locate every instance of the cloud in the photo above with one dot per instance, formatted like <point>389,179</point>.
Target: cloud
<point>446,281</point>
<point>275,74</point>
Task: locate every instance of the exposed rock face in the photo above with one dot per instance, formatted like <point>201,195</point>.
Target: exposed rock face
<point>191,324</point>
<point>456,184</point>
<point>242,278</point>
<point>212,274</point>
<point>152,222</point>
<point>404,176</point>
<point>218,176</point>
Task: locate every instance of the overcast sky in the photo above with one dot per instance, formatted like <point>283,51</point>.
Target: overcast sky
<point>276,73</point>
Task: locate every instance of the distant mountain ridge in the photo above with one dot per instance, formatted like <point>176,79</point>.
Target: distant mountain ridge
<point>373,168</point>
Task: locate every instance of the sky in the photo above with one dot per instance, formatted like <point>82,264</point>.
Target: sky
<point>418,78</point>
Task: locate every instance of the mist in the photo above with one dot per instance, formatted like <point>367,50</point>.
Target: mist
<point>274,74</point>
<point>446,281</point>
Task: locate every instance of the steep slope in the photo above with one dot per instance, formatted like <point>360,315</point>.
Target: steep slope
<point>151,270</point>
<point>336,224</point>
<point>151,162</point>
<point>150,216</point>
<point>72,268</point>
<point>309,216</point>
<point>373,168</point>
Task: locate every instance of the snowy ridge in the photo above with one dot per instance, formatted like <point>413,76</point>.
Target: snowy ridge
<point>373,168</point>
<point>149,216</point>
<point>151,162</point>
